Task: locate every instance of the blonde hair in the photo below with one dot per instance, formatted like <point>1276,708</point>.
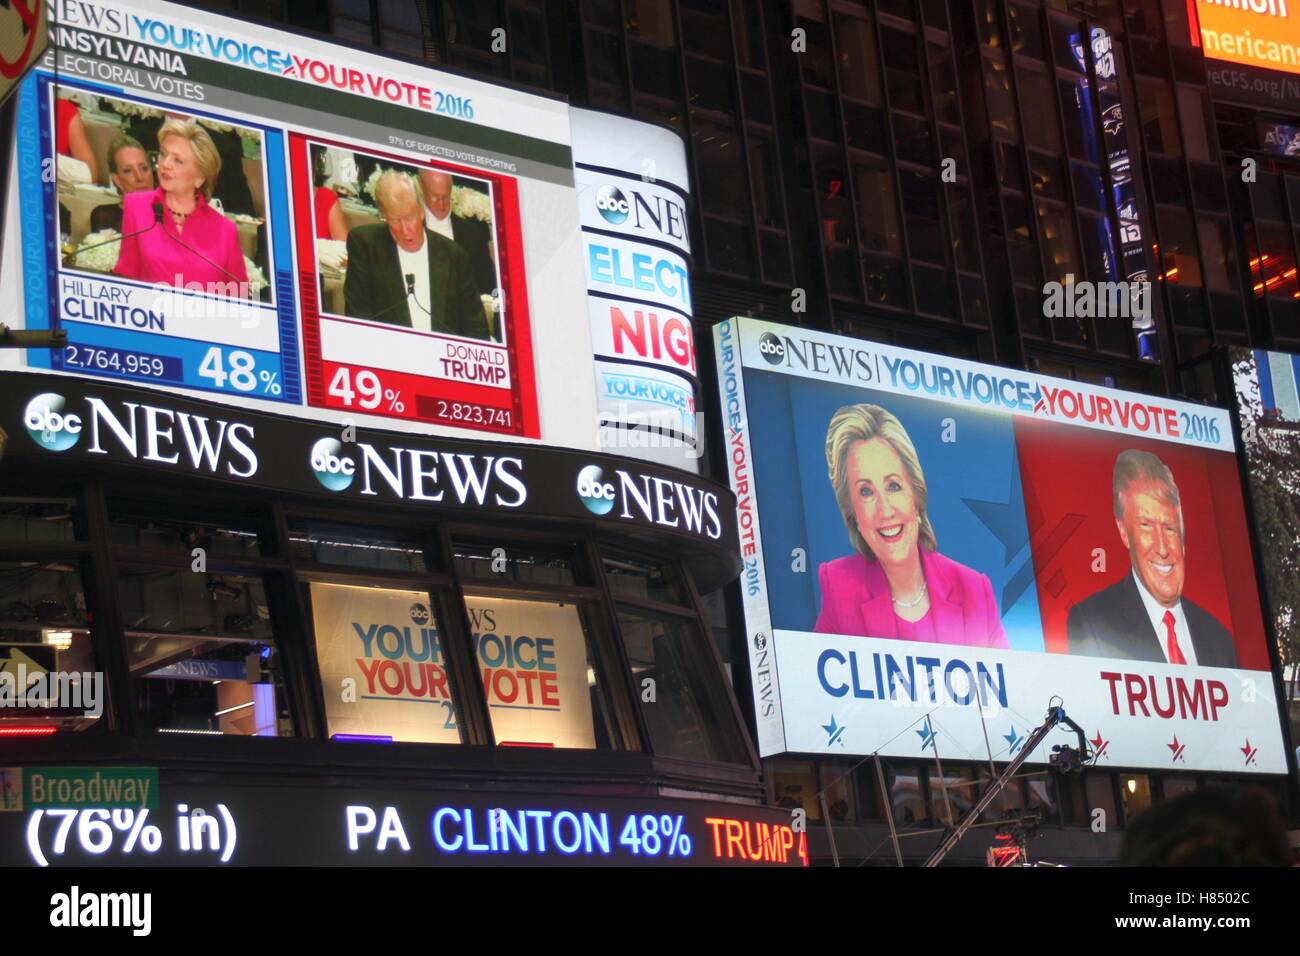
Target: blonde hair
<point>855,423</point>
<point>391,181</point>
<point>206,157</point>
<point>1132,466</point>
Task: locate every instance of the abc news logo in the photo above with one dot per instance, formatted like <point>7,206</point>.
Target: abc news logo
<point>49,424</point>
<point>658,215</point>
<point>771,348</point>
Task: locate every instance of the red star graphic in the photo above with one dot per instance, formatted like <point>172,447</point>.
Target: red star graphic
<point>1249,751</point>
<point>1176,747</point>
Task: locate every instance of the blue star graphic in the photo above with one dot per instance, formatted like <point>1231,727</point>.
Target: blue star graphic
<point>927,735</point>
<point>833,731</point>
<point>1013,740</point>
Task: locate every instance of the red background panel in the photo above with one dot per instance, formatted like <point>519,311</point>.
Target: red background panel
<point>1066,472</point>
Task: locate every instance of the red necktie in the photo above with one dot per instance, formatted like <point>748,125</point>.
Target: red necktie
<point>1175,653</point>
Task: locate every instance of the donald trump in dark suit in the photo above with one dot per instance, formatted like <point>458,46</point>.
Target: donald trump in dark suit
<point>1144,616</point>
<point>401,273</point>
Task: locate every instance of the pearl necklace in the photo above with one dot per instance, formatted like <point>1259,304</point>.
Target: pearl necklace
<point>915,601</point>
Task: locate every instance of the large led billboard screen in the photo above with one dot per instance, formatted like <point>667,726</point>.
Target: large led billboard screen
<point>207,205</point>
<point>937,549</point>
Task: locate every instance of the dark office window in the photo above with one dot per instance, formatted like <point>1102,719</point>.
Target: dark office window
<point>730,246</point>
<point>763,164</point>
<point>988,22</point>
<point>965,230</point>
<point>1067,44</point>
<point>605,63</point>
<point>816,61</point>
<point>946,96</point>
<point>905,9</point>
<point>859,69</point>
<point>864,127</point>
<point>1159,118</point>
<point>1218,251</point>
<point>1011,174</point>
<point>906,796</point>
<point>754,95</point>
<point>688,717</point>
<point>636,577</point>
<point>902,70</point>
<point>720,159</point>
<point>606,14</point>
<point>402,32</point>
<point>921,208</point>
<point>1061,256</point>
<point>1167,181</point>
<point>840,791</point>
<point>886,280</point>
<point>1098,248</point>
<point>1135,791</point>
<point>999,97</point>
<point>352,21</point>
<point>705,29</point>
<point>912,140</point>
<point>792,785</point>
<point>358,546</point>
<point>178,531</point>
<point>1036,96</point>
<point>952,795</point>
<point>710,84</point>
<point>502,561</point>
<point>45,625</point>
<point>202,653</point>
<point>1178,254</point>
<point>1099,794</point>
<point>747,23</point>
<point>1026,33</point>
<point>1047,176</point>
<point>37,519</point>
<point>933,291</point>
<point>1010,801</point>
<point>1089,190</point>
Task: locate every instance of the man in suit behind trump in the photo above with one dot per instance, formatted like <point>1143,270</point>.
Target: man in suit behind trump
<point>401,273</point>
<point>1144,615</point>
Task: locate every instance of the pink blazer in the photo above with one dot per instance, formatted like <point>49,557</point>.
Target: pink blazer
<point>856,601</point>
<point>156,257</point>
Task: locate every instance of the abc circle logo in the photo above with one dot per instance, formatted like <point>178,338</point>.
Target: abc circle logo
<point>612,205</point>
<point>596,493</point>
<point>332,468</point>
<point>771,348</point>
<point>49,425</point>
<point>419,614</point>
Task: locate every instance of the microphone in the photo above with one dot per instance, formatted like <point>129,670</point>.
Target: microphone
<point>157,212</point>
<point>410,291</point>
<point>69,259</point>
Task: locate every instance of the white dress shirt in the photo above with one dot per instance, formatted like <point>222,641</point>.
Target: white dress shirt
<point>1156,611</point>
<point>420,303</point>
<point>440,226</point>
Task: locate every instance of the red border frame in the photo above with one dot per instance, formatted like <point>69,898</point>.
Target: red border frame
<point>518,325</point>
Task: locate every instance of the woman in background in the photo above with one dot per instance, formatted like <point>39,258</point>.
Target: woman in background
<point>897,585</point>
<point>182,240</point>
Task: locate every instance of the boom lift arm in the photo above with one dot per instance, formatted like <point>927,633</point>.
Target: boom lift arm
<point>1064,759</point>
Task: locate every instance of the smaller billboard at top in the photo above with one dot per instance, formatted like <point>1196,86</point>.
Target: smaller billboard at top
<point>1261,33</point>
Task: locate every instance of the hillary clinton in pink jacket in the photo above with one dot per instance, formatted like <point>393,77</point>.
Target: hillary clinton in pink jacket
<point>897,585</point>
